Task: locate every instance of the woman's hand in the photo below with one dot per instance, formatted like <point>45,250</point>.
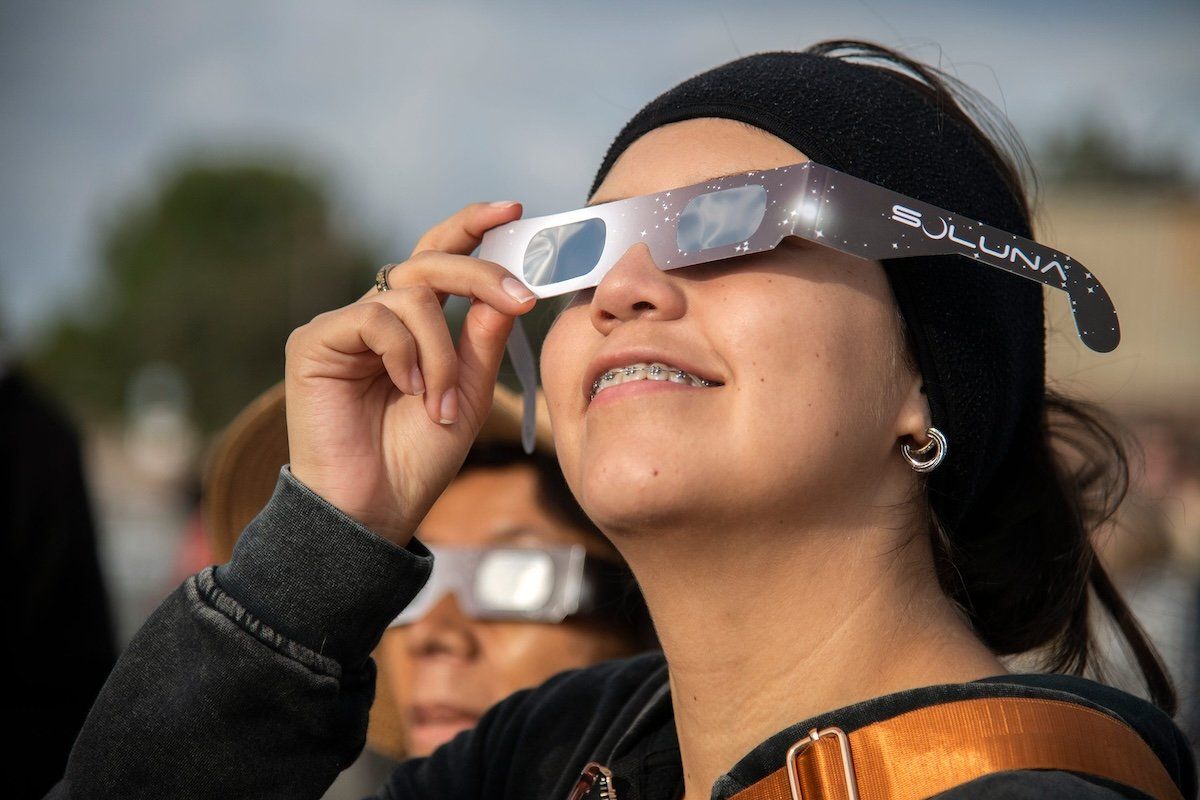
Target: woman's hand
<point>381,408</point>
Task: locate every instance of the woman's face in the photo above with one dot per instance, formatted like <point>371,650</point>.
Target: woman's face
<point>446,669</point>
<point>804,340</point>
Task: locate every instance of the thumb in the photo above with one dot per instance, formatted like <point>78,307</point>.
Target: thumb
<point>480,349</point>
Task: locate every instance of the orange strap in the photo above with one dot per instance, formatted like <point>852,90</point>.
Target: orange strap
<point>919,754</point>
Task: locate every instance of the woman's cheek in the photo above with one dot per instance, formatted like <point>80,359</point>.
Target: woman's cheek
<point>560,375</point>
<point>554,364</point>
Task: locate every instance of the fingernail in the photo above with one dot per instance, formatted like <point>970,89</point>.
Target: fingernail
<point>449,410</point>
<point>415,381</point>
<point>503,203</point>
<point>516,290</point>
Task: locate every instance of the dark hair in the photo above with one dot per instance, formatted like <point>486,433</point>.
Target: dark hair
<point>555,497</point>
<point>1026,579</point>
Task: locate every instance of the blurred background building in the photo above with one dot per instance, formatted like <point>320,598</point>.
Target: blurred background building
<point>184,183</point>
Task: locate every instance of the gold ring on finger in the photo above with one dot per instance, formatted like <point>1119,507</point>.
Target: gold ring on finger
<point>381,277</point>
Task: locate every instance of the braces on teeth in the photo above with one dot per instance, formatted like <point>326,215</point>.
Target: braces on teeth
<point>653,372</point>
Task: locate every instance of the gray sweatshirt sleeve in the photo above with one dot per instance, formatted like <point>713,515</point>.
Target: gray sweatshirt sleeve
<point>254,678</point>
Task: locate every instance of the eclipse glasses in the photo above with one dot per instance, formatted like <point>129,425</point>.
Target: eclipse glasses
<point>749,212</point>
<point>528,584</point>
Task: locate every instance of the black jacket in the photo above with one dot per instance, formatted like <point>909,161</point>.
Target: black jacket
<point>254,680</point>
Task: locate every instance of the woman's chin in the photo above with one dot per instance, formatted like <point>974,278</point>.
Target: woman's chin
<point>640,487</point>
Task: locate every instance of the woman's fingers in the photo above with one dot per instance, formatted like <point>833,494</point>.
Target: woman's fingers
<point>432,361</point>
<point>388,337</point>
<point>480,350</point>
<point>435,365</point>
<point>405,329</point>
<point>423,359</point>
<point>461,232</point>
<point>333,343</point>
<point>353,441</point>
<point>449,273</point>
<point>418,287</point>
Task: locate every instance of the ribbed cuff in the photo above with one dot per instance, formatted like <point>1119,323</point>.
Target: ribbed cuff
<point>319,577</point>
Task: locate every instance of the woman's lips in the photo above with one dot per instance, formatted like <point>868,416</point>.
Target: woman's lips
<point>640,388</point>
<point>423,713</point>
<point>436,724</point>
<point>668,359</point>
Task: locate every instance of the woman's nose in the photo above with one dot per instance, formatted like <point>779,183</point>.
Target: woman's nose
<point>445,630</point>
<point>635,288</point>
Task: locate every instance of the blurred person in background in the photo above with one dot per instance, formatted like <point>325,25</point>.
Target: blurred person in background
<point>1152,548</point>
<point>58,605</point>
<point>441,667</point>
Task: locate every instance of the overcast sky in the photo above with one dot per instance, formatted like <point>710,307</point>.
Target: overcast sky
<point>411,110</point>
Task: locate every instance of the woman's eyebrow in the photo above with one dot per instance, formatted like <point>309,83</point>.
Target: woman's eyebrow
<point>613,199</point>
<point>692,182</point>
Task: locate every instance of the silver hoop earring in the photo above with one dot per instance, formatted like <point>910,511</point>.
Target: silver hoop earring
<point>917,458</point>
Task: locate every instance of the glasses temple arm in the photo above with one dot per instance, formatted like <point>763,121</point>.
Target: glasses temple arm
<point>525,365</point>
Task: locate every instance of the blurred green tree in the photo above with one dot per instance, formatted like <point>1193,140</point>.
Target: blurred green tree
<point>210,275</point>
<point>1092,153</point>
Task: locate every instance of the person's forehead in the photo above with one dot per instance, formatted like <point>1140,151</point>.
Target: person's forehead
<point>494,506</point>
<point>689,152</point>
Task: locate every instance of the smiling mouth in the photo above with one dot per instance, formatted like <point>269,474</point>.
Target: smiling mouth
<point>655,371</point>
<point>441,715</point>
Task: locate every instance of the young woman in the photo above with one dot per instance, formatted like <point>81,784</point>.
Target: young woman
<point>805,567</point>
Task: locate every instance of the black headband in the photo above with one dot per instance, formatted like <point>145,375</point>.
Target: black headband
<point>979,334</point>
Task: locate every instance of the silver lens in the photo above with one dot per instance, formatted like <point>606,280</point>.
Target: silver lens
<point>514,580</point>
<point>720,218</point>
<point>564,251</point>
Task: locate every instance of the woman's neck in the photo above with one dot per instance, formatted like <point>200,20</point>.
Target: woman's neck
<point>760,638</point>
